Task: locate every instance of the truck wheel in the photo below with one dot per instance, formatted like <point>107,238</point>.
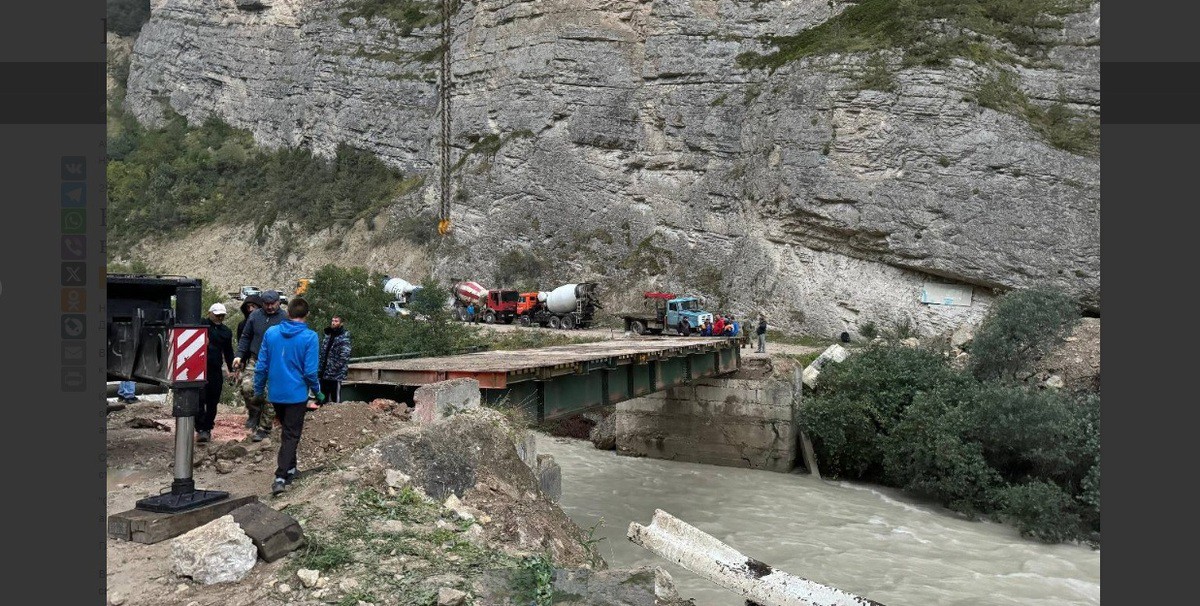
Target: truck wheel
<point>638,327</point>
<point>555,323</point>
<point>490,318</point>
<point>524,321</point>
<point>568,323</point>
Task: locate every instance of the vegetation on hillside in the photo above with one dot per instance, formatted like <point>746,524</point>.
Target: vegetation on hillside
<point>178,177</point>
<point>980,442</point>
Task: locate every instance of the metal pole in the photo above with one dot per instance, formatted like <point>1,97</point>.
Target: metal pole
<point>187,399</point>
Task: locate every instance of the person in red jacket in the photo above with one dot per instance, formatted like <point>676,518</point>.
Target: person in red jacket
<point>718,326</point>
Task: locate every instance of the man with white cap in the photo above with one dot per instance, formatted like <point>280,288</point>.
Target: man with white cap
<point>220,348</point>
<point>261,414</point>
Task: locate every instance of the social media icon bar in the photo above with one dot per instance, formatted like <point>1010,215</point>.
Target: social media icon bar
<point>73,296</point>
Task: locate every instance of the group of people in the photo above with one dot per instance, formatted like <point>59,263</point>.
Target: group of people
<point>728,326</point>
<point>277,362</point>
<point>721,326</point>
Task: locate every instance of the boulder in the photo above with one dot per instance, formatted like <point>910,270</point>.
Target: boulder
<point>604,434</point>
<point>451,597</point>
<point>962,335</point>
<point>218,552</point>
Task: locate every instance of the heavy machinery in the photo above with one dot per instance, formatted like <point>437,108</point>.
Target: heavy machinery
<point>152,341</point>
<point>495,305</point>
<point>665,310</point>
<point>569,306</point>
<point>400,288</point>
<point>302,286</point>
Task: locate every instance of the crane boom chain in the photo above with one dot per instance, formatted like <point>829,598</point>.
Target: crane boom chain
<point>444,93</point>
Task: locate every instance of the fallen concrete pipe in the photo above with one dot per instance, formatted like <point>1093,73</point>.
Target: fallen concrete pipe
<point>701,553</point>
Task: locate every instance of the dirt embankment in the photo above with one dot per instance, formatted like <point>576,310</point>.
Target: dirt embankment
<point>394,513</point>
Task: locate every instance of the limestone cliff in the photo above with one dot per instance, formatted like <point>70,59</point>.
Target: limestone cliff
<point>622,140</point>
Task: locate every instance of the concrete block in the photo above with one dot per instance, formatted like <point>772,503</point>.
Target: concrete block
<point>527,449</point>
<point>549,476</point>
<point>275,534</point>
<point>445,398</point>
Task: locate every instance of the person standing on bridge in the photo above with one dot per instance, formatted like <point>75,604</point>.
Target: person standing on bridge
<point>762,334</point>
<point>220,346</point>
<point>335,359</point>
<point>718,327</point>
<point>288,365</point>
<point>260,416</point>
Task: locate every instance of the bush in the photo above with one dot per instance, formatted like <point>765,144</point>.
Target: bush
<point>1042,510</point>
<point>869,331</point>
<point>1021,327</point>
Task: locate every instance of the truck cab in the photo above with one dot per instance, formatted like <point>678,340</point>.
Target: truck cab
<point>526,302</point>
<point>685,314</point>
<point>501,306</point>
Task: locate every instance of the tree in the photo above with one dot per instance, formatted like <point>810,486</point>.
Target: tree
<point>1020,328</point>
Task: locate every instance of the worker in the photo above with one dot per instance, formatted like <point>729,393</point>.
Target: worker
<point>762,333</point>
<point>251,303</point>
<point>735,327</point>
<point>287,368</point>
<point>220,348</point>
<point>718,327</point>
<point>126,391</point>
<point>260,416</point>
<point>471,312</point>
<point>335,359</point>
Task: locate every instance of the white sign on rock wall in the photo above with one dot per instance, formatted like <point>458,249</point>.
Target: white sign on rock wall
<point>934,293</point>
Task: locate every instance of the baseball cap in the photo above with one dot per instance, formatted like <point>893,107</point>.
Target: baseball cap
<point>271,296</point>
<point>217,308</point>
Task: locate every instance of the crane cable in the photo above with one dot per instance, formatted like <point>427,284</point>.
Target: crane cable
<point>444,92</point>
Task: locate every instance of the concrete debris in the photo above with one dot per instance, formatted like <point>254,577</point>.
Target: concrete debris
<point>218,552</point>
<point>701,553</point>
<point>444,399</point>
<point>833,353</point>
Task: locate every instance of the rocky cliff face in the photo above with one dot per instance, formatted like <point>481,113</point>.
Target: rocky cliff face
<point>620,140</point>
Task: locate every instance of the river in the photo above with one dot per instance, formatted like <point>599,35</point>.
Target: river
<point>864,539</point>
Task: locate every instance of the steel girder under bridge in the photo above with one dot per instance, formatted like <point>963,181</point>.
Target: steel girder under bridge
<point>556,381</point>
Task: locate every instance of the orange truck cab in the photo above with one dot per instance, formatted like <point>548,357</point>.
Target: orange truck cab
<point>526,302</point>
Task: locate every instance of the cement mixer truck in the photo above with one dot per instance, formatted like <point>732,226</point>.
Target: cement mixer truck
<point>569,306</point>
<point>492,306</point>
<point>400,288</point>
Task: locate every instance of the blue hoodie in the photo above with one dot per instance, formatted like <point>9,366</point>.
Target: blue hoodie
<point>288,360</point>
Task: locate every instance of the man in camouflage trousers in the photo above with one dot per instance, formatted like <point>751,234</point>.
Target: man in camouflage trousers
<point>261,415</point>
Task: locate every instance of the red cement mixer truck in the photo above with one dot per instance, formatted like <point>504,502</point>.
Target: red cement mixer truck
<point>492,306</point>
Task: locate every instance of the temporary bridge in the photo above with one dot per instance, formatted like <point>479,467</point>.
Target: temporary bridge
<point>556,381</point>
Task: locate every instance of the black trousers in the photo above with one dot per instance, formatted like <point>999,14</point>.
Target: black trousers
<point>291,417</point>
<point>209,399</point>
<point>332,390</point>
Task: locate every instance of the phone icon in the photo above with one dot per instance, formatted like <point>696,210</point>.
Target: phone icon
<point>74,247</point>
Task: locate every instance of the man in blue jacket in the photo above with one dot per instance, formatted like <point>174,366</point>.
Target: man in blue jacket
<point>288,363</point>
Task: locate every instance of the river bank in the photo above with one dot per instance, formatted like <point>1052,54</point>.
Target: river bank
<point>864,539</point>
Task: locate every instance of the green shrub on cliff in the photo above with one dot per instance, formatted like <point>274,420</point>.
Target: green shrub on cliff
<point>1021,327</point>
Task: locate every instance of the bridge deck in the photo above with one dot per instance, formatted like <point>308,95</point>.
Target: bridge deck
<point>498,369</point>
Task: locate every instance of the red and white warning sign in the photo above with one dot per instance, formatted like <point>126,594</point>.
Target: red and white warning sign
<point>189,353</point>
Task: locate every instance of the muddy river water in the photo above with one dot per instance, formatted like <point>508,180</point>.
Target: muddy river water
<point>864,539</point>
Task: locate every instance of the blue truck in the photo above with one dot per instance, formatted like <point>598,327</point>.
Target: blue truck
<point>668,311</point>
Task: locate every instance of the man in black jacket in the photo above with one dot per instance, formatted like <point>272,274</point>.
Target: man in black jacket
<point>259,413</point>
<point>762,334</point>
<point>251,303</point>
<point>220,348</point>
<point>335,359</point>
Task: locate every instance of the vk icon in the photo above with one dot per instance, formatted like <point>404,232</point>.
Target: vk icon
<point>74,168</point>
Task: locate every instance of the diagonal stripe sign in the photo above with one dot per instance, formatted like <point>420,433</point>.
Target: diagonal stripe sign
<point>189,348</point>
